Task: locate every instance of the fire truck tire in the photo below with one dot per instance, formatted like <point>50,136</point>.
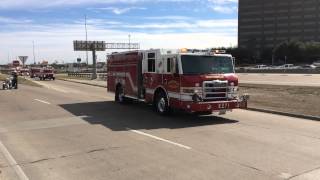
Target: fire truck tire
<point>119,95</point>
<point>162,104</point>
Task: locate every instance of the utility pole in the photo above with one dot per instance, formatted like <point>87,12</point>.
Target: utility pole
<point>34,57</point>
<point>129,41</point>
<point>85,25</point>
<point>285,59</point>
<point>8,57</point>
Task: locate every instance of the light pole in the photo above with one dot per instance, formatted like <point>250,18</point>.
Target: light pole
<point>285,59</point>
<point>129,41</point>
<point>34,56</point>
<point>85,25</point>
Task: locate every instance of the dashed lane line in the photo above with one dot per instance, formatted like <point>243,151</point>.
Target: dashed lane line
<point>160,139</point>
<point>13,163</point>
<point>39,100</point>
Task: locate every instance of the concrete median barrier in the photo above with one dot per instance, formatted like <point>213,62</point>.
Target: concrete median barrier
<point>102,76</point>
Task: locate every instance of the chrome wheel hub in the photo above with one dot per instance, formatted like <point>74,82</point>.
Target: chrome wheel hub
<point>161,105</point>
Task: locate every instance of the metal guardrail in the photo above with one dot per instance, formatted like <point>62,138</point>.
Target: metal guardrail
<point>102,76</point>
<point>5,71</point>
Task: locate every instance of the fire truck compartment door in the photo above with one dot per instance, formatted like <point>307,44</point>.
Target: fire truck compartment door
<point>171,78</point>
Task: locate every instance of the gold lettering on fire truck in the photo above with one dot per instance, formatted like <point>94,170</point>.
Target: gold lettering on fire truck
<point>215,77</point>
<point>173,84</point>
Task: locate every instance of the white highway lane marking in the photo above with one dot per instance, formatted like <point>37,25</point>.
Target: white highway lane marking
<point>54,88</point>
<point>45,102</point>
<point>13,163</point>
<point>50,87</point>
<point>160,139</point>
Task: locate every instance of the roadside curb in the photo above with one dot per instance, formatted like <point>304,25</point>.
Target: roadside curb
<point>90,84</point>
<point>314,118</point>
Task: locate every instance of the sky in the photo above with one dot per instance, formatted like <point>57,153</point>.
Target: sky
<point>167,24</point>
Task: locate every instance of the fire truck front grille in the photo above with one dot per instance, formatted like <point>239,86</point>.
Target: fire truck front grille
<point>215,90</point>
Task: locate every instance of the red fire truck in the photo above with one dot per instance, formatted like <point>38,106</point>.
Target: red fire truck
<point>192,80</point>
<point>42,73</point>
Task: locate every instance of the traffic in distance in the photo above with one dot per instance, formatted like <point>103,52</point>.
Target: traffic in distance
<point>315,65</point>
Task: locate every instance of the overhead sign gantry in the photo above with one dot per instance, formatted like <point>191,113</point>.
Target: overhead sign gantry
<point>95,46</point>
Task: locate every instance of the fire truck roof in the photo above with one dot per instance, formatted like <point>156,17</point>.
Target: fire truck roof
<point>184,51</point>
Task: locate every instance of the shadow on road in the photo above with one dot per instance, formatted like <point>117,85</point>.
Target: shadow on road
<point>137,116</point>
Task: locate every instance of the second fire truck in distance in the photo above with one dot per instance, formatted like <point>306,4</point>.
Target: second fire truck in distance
<point>195,81</point>
<point>42,73</point>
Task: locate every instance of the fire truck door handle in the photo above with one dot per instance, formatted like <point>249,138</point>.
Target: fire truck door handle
<point>165,81</point>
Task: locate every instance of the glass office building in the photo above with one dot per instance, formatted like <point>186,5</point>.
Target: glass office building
<point>265,23</point>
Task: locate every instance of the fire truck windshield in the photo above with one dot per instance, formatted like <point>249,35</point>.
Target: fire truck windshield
<point>206,64</point>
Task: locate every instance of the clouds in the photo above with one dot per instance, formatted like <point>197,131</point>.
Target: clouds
<point>54,42</point>
<point>223,1</point>
<point>194,25</point>
<point>224,9</point>
<point>9,20</point>
<point>16,4</point>
<point>154,23</point>
<point>117,11</point>
<point>224,6</point>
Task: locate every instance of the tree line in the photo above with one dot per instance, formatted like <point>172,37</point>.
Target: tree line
<point>289,52</point>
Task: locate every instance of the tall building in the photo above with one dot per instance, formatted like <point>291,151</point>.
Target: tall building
<point>265,23</point>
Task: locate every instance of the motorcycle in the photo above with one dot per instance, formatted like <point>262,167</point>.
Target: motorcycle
<point>7,84</point>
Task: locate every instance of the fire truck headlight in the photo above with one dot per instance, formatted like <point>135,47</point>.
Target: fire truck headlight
<point>233,89</point>
<point>233,92</point>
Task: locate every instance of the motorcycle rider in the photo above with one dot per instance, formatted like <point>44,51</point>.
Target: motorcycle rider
<point>15,79</point>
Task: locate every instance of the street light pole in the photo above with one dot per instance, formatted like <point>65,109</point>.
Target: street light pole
<point>34,56</point>
<point>85,25</point>
<point>129,41</point>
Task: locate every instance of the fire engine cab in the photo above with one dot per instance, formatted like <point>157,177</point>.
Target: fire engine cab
<point>192,80</point>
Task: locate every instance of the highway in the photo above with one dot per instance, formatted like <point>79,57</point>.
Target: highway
<point>71,131</point>
<point>281,79</point>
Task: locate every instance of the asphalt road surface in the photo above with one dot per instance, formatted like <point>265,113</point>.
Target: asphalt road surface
<point>281,79</point>
<point>71,131</point>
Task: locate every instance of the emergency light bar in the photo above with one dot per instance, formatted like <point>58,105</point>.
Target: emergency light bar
<point>208,51</point>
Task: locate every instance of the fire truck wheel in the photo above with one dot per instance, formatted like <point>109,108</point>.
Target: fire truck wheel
<point>161,104</point>
<point>119,95</point>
